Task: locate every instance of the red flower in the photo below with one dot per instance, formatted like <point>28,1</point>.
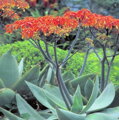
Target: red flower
<point>62,25</point>
<point>7,7</point>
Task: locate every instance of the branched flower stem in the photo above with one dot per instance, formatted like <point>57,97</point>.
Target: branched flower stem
<point>62,86</point>
<point>71,47</point>
<point>85,60</point>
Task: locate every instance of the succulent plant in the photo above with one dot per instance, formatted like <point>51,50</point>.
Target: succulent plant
<point>12,80</point>
<point>99,106</point>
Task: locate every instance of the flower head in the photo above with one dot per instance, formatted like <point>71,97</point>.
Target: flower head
<point>7,7</point>
<point>47,25</point>
<point>62,25</point>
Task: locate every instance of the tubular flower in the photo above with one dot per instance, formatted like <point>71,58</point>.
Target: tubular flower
<point>10,13</point>
<point>6,6</point>
<point>47,25</point>
<point>89,19</point>
<point>62,25</point>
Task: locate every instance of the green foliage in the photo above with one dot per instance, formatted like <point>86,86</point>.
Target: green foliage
<point>6,96</point>
<point>10,115</point>
<point>9,71</point>
<point>33,56</point>
<point>11,78</point>
<point>27,51</point>
<point>26,110</point>
<point>92,105</point>
<point>98,106</point>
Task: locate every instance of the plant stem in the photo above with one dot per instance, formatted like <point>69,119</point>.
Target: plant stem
<point>47,50</point>
<point>62,86</point>
<point>85,60</point>
<point>62,90</point>
<point>97,54</point>
<point>71,47</point>
<point>65,88</point>
<point>102,81</point>
<point>43,53</point>
<point>111,62</point>
<point>107,76</point>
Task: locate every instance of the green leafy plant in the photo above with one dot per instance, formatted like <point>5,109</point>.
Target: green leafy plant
<point>51,97</point>
<point>79,103</point>
<point>12,80</point>
<point>32,57</point>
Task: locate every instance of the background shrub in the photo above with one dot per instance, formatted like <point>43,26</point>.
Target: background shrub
<point>33,56</point>
<point>24,49</point>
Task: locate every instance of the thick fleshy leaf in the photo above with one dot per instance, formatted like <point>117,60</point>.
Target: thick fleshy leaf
<point>113,112</point>
<point>20,66</point>
<point>54,95</point>
<point>77,101</point>
<point>100,116</point>
<point>7,96</point>
<point>54,90</point>
<point>45,113</point>
<point>105,98</point>
<point>32,76</point>
<point>39,94</point>
<point>116,98</point>
<point>9,115</point>
<point>67,115</point>
<point>50,76</point>
<point>88,88</point>
<point>68,76</point>
<point>52,118</point>
<point>25,108</point>
<point>54,99</point>
<point>70,88</point>
<point>93,96</point>
<point>2,85</point>
<point>8,69</point>
<point>81,81</point>
<point>42,76</point>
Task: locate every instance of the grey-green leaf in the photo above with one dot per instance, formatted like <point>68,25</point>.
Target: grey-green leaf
<point>116,99</point>
<point>113,112</point>
<point>67,115</point>
<point>68,76</point>
<point>81,81</point>
<point>9,115</point>
<point>32,76</point>
<point>55,99</point>
<point>77,101</point>
<point>105,98</point>
<point>8,69</point>
<point>2,85</point>
<point>50,76</point>
<point>99,116</point>
<point>42,76</point>
<point>93,96</point>
<point>88,88</point>
<point>25,108</point>
<point>7,96</point>
<point>39,94</point>
<point>20,66</point>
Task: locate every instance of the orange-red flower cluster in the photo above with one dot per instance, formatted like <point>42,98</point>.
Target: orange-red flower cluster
<point>62,25</point>
<point>89,19</point>
<point>48,25</point>
<point>6,7</point>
